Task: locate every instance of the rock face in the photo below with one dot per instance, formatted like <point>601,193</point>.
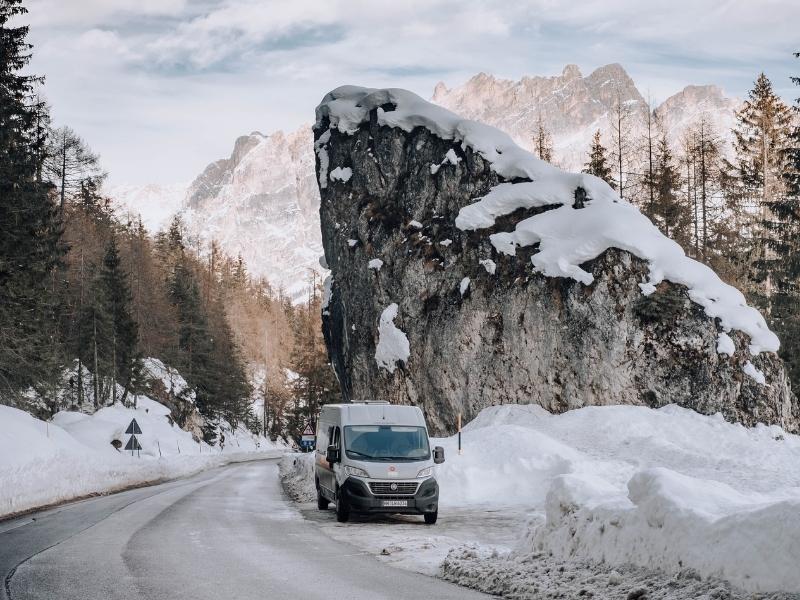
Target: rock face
<point>484,327</point>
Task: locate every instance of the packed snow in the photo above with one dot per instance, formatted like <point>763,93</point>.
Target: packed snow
<point>446,242</point>
<point>725,344</point>
<point>752,371</point>
<point>615,497</point>
<point>375,263</point>
<point>342,174</point>
<point>324,160</point>
<point>464,285</point>
<point>415,224</point>
<point>392,342</point>
<point>570,233</point>
<point>489,265</point>
<point>173,381</point>
<point>72,456</point>
<point>450,157</point>
<point>666,488</point>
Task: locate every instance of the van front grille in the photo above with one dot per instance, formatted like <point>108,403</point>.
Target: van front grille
<point>384,488</point>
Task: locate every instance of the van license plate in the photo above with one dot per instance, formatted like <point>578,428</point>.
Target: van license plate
<point>395,503</point>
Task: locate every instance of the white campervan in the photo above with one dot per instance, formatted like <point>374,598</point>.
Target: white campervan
<point>375,457</point>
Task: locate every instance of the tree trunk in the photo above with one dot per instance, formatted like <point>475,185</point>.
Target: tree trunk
<point>63,173</point>
<point>96,373</point>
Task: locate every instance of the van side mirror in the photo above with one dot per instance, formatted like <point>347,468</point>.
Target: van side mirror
<point>332,455</point>
<point>438,455</point>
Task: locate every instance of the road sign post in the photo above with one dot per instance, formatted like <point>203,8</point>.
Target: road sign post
<point>133,444</point>
<point>459,435</point>
<point>308,438</point>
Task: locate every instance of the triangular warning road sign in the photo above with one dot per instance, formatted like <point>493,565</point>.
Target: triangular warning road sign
<point>133,428</point>
<point>309,430</point>
<point>133,444</point>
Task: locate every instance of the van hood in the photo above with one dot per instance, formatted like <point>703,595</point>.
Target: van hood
<point>391,470</point>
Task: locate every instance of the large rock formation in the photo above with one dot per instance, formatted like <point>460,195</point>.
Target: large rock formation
<point>430,303</point>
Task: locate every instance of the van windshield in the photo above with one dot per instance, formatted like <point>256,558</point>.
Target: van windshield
<point>386,443</point>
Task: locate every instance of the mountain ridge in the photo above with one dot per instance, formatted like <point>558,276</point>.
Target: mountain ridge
<point>262,200</point>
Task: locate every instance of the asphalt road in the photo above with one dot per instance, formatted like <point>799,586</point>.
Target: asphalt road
<point>224,534</point>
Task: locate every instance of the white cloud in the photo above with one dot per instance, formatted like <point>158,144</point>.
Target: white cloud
<point>162,87</point>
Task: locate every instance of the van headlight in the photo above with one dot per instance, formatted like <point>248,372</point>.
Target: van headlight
<point>426,472</point>
<point>355,471</point>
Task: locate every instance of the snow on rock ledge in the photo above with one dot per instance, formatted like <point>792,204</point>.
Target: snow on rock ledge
<point>392,342</point>
<point>588,304</point>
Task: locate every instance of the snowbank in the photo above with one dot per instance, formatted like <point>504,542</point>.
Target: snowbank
<point>667,489</point>
<point>44,463</point>
<point>580,225</point>
<point>297,474</point>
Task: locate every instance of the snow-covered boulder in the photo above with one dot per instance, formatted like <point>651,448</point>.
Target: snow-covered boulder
<point>587,302</point>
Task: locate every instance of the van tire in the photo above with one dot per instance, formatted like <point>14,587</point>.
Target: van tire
<point>430,518</point>
<point>342,509</point>
<point>322,501</point>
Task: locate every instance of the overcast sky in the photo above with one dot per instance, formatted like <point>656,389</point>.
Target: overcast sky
<point>160,88</point>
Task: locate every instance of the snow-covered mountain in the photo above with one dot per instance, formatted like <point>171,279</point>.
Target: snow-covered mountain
<point>155,203</point>
<point>262,201</point>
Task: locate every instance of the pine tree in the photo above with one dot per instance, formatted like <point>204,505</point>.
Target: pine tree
<point>784,242</point>
<point>671,213</point>
<point>123,331</point>
<point>194,347</point>
<point>598,162</point>
<point>30,230</point>
<point>543,142</point>
<point>648,179</point>
<point>761,139</point>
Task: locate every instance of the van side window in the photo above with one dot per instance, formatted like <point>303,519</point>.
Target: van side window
<point>336,438</point>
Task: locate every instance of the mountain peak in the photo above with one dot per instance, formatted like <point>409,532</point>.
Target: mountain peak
<point>572,72</point>
<point>440,91</point>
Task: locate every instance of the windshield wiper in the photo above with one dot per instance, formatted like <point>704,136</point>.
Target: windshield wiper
<point>360,453</point>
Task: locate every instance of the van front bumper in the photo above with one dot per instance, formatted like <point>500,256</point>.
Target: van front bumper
<point>358,496</point>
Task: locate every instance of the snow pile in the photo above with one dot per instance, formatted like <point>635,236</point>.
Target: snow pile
<point>489,265</point>
<point>668,489</point>
<point>392,342</point>
<point>297,474</point>
<point>173,381</point>
<point>375,263</point>
<point>752,371</point>
<point>464,285</point>
<point>342,174</point>
<point>569,234</point>
<point>450,157</point>
<point>44,463</point>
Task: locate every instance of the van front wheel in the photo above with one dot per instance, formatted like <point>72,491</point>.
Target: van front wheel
<point>430,518</point>
<point>342,509</point>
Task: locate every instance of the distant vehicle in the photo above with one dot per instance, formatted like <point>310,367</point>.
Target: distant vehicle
<point>375,457</point>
